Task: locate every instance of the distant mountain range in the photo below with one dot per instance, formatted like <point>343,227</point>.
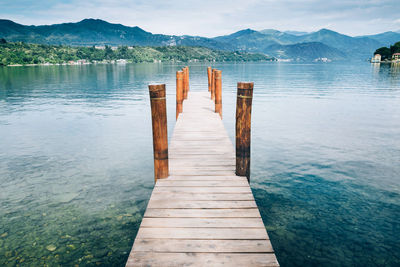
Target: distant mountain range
<point>288,45</point>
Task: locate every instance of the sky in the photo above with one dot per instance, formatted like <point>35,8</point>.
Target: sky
<point>214,17</point>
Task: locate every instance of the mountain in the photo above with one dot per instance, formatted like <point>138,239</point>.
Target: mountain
<point>97,32</point>
<point>306,51</point>
<point>361,47</point>
<point>248,40</point>
<point>262,41</point>
<point>297,33</point>
<point>282,37</point>
<point>90,32</point>
<point>386,38</point>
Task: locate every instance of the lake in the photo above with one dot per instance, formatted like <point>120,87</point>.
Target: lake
<point>76,162</point>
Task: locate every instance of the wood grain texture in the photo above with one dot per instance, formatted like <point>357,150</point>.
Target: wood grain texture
<point>201,259</point>
<point>211,246</point>
<point>202,222</point>
<point>203,233</point>
<point>203,214</point>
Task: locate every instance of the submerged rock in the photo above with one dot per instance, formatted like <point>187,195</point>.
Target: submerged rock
<point>66,198</point>
<point>51,247</point>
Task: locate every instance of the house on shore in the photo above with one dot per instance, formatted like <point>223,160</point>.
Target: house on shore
<point>396,58</point>
<point>376,59</point>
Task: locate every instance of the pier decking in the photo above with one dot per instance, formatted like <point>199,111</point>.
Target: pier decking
<point>202,214</point>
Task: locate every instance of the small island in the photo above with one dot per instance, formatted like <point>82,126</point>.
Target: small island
<point>387,54</point>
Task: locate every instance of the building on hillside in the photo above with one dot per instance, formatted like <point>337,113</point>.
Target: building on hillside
<point>396,58</point>
<point>82,62</point>
<point>376,59</point>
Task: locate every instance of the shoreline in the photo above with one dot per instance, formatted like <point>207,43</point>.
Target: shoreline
<point>116,63</point>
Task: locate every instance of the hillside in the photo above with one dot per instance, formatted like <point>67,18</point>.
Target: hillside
<point>250,40</point>
<point>361,47</point>
<point>386,38</point>
<point>91,32</point>
<point>22,53</point>
<point>306,52</point>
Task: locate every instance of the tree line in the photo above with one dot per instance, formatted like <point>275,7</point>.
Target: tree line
<point>23,53</point>
<point>387,52</point>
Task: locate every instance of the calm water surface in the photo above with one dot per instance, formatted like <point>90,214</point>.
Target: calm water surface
<point>76,166</point>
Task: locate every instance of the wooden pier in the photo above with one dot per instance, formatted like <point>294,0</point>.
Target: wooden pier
<point>202,214</point>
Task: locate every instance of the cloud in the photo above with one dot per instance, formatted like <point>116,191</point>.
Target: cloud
<point>211,18</point>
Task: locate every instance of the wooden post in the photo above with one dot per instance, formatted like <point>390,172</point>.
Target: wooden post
<point>213,84</point>
<point>209,78</point>
<point>185,82</point>
<point>243,128</point>
<point>179,92</point>
<point>218,92</point>
<point>160,132</point>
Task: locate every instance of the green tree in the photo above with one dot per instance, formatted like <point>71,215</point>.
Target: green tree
<point>109,53</point>
<point>395,48</point>
<point>384,52</point>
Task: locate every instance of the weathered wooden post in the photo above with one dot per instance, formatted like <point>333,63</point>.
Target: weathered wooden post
<point>209,78</point>
<point>243,128</point>
<point>179,92</point>
<point>218,92</point>
<point>213,84</point>
<point>185,82</point>
<point>160,132</point>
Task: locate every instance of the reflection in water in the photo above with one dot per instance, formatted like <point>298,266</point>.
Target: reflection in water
<point>395,69</point>
<point>376,67</point>
<point>76,159</point>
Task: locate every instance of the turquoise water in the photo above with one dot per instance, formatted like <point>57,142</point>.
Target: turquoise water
<point>76,159</point>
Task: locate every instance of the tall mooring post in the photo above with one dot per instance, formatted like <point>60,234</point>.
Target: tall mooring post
<point>218,92</point>
<point>179,92</point>
<point>209,78</point>
<point>160,132</point>
<point>185,82</point>
<point>213,84</point>
<point>243,128</point>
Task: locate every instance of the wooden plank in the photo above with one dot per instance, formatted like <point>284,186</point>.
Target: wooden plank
<point>202,173</point>
<point>230,183</point>
<point>204,196</point>
<point>201,259</point>
<point>204,151</point>
<point>202,222</point>
<point>201,168</point>
<point>210,189</point>
<point>228,158</point>
<point>197,140</point>
<point>205,178</point>
<point>203,233</point>
<point>200,204</point>
<point>192,246</point>
<point>210,162</point>
<point>205,213</point>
